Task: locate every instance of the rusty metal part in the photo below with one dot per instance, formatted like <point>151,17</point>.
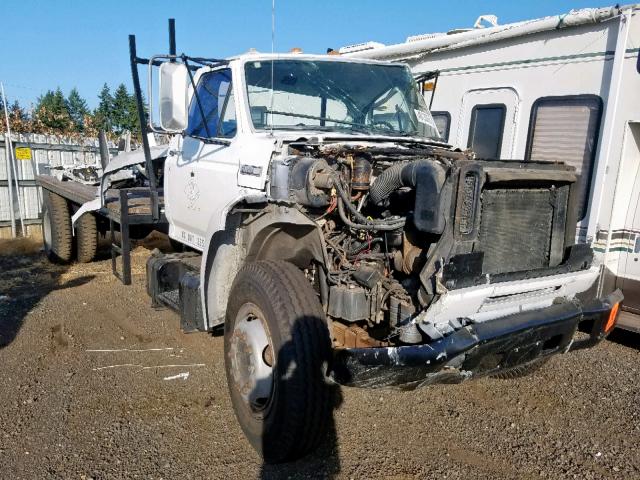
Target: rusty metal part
<point>398,260</point>
<point>410,255</point>
<point>267,355</point>
<point>443,153</point>
<point>323,179</point>
<point>352,336</point>
<point>360,174</point>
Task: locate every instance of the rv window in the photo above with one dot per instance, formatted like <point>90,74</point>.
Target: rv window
<point>443,122</point>
<point>485,131</point>
<point>565,129</point>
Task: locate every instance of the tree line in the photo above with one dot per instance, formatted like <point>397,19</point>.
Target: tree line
<point>57,114</point>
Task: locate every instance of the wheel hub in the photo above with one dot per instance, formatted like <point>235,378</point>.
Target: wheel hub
<point>251,357</point>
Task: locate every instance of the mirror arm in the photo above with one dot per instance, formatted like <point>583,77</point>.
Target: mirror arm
<point>147,61</point>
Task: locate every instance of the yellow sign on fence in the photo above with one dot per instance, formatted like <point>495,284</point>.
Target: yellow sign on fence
<point>23,153</point>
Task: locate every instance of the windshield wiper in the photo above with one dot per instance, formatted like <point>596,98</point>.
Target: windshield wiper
<point>215,141</point>
<point>354,126</point>
<point>321,128</point>
<point>311,117</point>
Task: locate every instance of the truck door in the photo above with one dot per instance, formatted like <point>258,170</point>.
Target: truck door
<point>627,240</point>
<point>487,122</point>
<point>201,176</point>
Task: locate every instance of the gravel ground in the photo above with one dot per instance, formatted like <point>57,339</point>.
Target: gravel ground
<point>68,411</point>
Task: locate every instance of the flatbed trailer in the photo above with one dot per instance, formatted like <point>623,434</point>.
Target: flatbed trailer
<point>122,209</point>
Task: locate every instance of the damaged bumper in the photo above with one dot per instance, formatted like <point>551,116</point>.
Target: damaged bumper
<point>480,349</point>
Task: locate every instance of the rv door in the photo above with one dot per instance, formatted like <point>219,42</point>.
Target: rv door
<point>487,122</point>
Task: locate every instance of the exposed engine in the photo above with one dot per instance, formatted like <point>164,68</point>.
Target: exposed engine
<point>384,212</point>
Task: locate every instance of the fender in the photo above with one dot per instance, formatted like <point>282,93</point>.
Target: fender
<point>285,233</point>
<point>278,232</point>
<point>223,242</point>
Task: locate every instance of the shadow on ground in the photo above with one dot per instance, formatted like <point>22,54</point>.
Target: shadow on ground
<point>626,338</point>
<point>321,463</point>
<point>26,276</point>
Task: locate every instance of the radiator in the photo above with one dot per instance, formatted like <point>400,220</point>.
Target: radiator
<point>515,229</point>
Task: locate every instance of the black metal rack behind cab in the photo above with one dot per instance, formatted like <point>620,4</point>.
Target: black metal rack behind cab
<point>142,115</point>
<point>139,206</point>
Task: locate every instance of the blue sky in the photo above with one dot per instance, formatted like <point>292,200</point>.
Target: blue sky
<point>83,44</point>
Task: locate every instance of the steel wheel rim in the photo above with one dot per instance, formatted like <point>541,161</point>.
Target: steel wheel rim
<point>46,230</point>
<point>251,358</point>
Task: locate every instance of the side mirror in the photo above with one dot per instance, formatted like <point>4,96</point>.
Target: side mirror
<point>173,86</point>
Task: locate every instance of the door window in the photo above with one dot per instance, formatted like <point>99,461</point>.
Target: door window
<point>485,131</point>
<point>217,105</point>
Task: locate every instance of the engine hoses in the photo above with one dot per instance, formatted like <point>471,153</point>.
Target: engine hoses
<point>360,221</point>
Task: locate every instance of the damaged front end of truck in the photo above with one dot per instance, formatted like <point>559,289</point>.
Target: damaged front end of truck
<point>441,267</point>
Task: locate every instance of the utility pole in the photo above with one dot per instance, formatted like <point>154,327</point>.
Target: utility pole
<point>8,155</point>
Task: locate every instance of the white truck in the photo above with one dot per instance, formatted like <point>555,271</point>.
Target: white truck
<point>335,237</point>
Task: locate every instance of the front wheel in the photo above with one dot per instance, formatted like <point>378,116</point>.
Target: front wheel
<point>277,351</point>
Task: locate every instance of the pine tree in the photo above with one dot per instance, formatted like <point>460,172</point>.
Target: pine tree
<point>52,111</point>
<point>19,118</point>
<point>15,107</point>
<point>134,119</point>
<point>121,109</point>
<point>78,108</point>
<point>104,114</point>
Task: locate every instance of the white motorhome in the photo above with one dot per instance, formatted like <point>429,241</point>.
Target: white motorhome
<point>561,88</point>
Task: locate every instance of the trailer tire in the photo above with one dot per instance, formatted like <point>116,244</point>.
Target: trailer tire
<point>56,228</point>
<point>522,370</point>
<point>87,237</point>
<point>274,299</point>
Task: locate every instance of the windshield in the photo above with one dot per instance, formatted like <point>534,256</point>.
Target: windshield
<point>337,96</point>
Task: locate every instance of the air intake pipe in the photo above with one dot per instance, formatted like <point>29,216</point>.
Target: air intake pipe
<point>427,178</point>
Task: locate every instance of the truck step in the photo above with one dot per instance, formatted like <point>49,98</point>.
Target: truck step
<point>173,281</point>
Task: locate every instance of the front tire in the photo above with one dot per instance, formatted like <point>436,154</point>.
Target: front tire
<point>277,352</point>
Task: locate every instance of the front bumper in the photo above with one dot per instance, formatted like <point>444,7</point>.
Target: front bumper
<point>479,349</point>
